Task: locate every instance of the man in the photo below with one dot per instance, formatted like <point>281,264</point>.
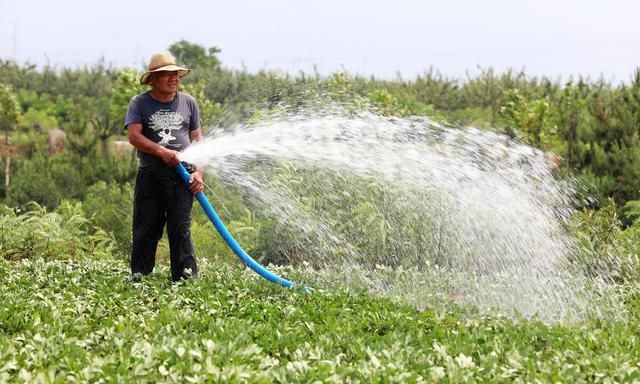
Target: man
<point>161,123</point>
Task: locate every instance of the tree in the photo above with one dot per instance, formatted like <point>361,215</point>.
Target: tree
<point>208,109</point>
<point>195,56</point>
<point>531,118</point>
<point>9,113</point>
<point>126,86</point>
<point>487,90</point>
<point>104,127</point>
<point>570,111</point>
<point>81,138</point>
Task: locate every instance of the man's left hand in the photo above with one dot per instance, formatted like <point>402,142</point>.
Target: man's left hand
<point>195,182</point>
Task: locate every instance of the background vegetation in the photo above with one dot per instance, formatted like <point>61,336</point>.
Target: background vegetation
<point>591,125</point>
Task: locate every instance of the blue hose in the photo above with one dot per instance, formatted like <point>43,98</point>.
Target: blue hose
<point>231,242</point>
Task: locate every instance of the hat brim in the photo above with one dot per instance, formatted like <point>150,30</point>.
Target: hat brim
<point>166,68</point>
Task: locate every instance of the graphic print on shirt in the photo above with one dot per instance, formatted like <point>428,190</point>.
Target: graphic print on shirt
<point>164,122</point>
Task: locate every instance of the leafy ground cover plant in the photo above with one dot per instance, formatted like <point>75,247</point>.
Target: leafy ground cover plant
<point>90,321</point>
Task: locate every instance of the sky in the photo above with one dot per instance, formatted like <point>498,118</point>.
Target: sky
<point>386,39</point>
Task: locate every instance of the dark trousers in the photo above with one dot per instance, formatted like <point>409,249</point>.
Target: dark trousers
<point>159,200</point>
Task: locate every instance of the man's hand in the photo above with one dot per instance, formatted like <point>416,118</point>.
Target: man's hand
<point>170,157</point>
<point>195,182</point>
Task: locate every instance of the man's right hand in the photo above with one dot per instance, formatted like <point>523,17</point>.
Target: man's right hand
<point>170,157</point>
<point>143,144</point>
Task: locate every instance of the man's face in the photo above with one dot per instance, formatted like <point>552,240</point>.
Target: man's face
<point>165,81</point>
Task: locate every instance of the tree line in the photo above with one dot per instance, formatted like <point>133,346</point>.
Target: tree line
<point>592,126</point>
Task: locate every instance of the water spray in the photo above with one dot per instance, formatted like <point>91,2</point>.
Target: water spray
<point>229,239</point>
<point>410,209</point>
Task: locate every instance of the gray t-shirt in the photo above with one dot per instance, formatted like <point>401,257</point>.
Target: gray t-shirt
<point>167,124</point>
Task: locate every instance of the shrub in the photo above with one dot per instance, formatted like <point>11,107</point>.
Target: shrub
<point>65,233</point>
<point>234,213</point>
<point>110,207</point>
<point>604,248</point>
<point>45,180</point>
<point>333,216</point>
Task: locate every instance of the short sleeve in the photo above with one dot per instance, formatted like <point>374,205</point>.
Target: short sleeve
<point>195,115</point>
<point>133,112</point>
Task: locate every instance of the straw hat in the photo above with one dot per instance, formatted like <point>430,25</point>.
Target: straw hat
<point>162,61</point>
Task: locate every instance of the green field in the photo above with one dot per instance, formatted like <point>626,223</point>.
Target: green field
<point>90,321</point>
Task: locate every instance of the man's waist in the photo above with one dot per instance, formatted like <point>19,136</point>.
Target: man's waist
<point>155,166</point>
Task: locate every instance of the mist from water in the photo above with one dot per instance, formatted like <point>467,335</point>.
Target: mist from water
<point>408,208</point>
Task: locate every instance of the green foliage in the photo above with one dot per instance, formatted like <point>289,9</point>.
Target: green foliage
<point>69,83</point>
<point>632,211</point>
<point>531,119</point>
<point>61,234</point>
<point>103,128</point>
<point>82,140</point>
<point>210,245</point>
<point>434,89</point>
<point>372,222</point>
<point>29,143</point>
<point>49,180</point>
<point>90,321</point>
<point>38,120</point>
<point>110,207</point>
<point>56,106</point>
<point>239,219</point>
<point>487,90</point>
<point>209,111</point>
<point>593,126</point>
<point>605,248</point>
<point>90,129</point>
<point>474,116</point>
<point>127,85</point>
<point>386,103</point>
<point>3,192</point>
<point>415,107</point>
<point>194,56</point>
<point>571,116</point>
<point>45,180</point>
<point>111,170</point>
<point>9,109</point>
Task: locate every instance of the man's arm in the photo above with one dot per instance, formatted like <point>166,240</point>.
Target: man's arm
<point>143,144</point>
<point>195,135</point>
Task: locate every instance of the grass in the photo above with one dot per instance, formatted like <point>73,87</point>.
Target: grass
<point>90,321</point>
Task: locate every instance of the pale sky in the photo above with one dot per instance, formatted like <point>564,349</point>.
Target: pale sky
<point>382,38</point>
